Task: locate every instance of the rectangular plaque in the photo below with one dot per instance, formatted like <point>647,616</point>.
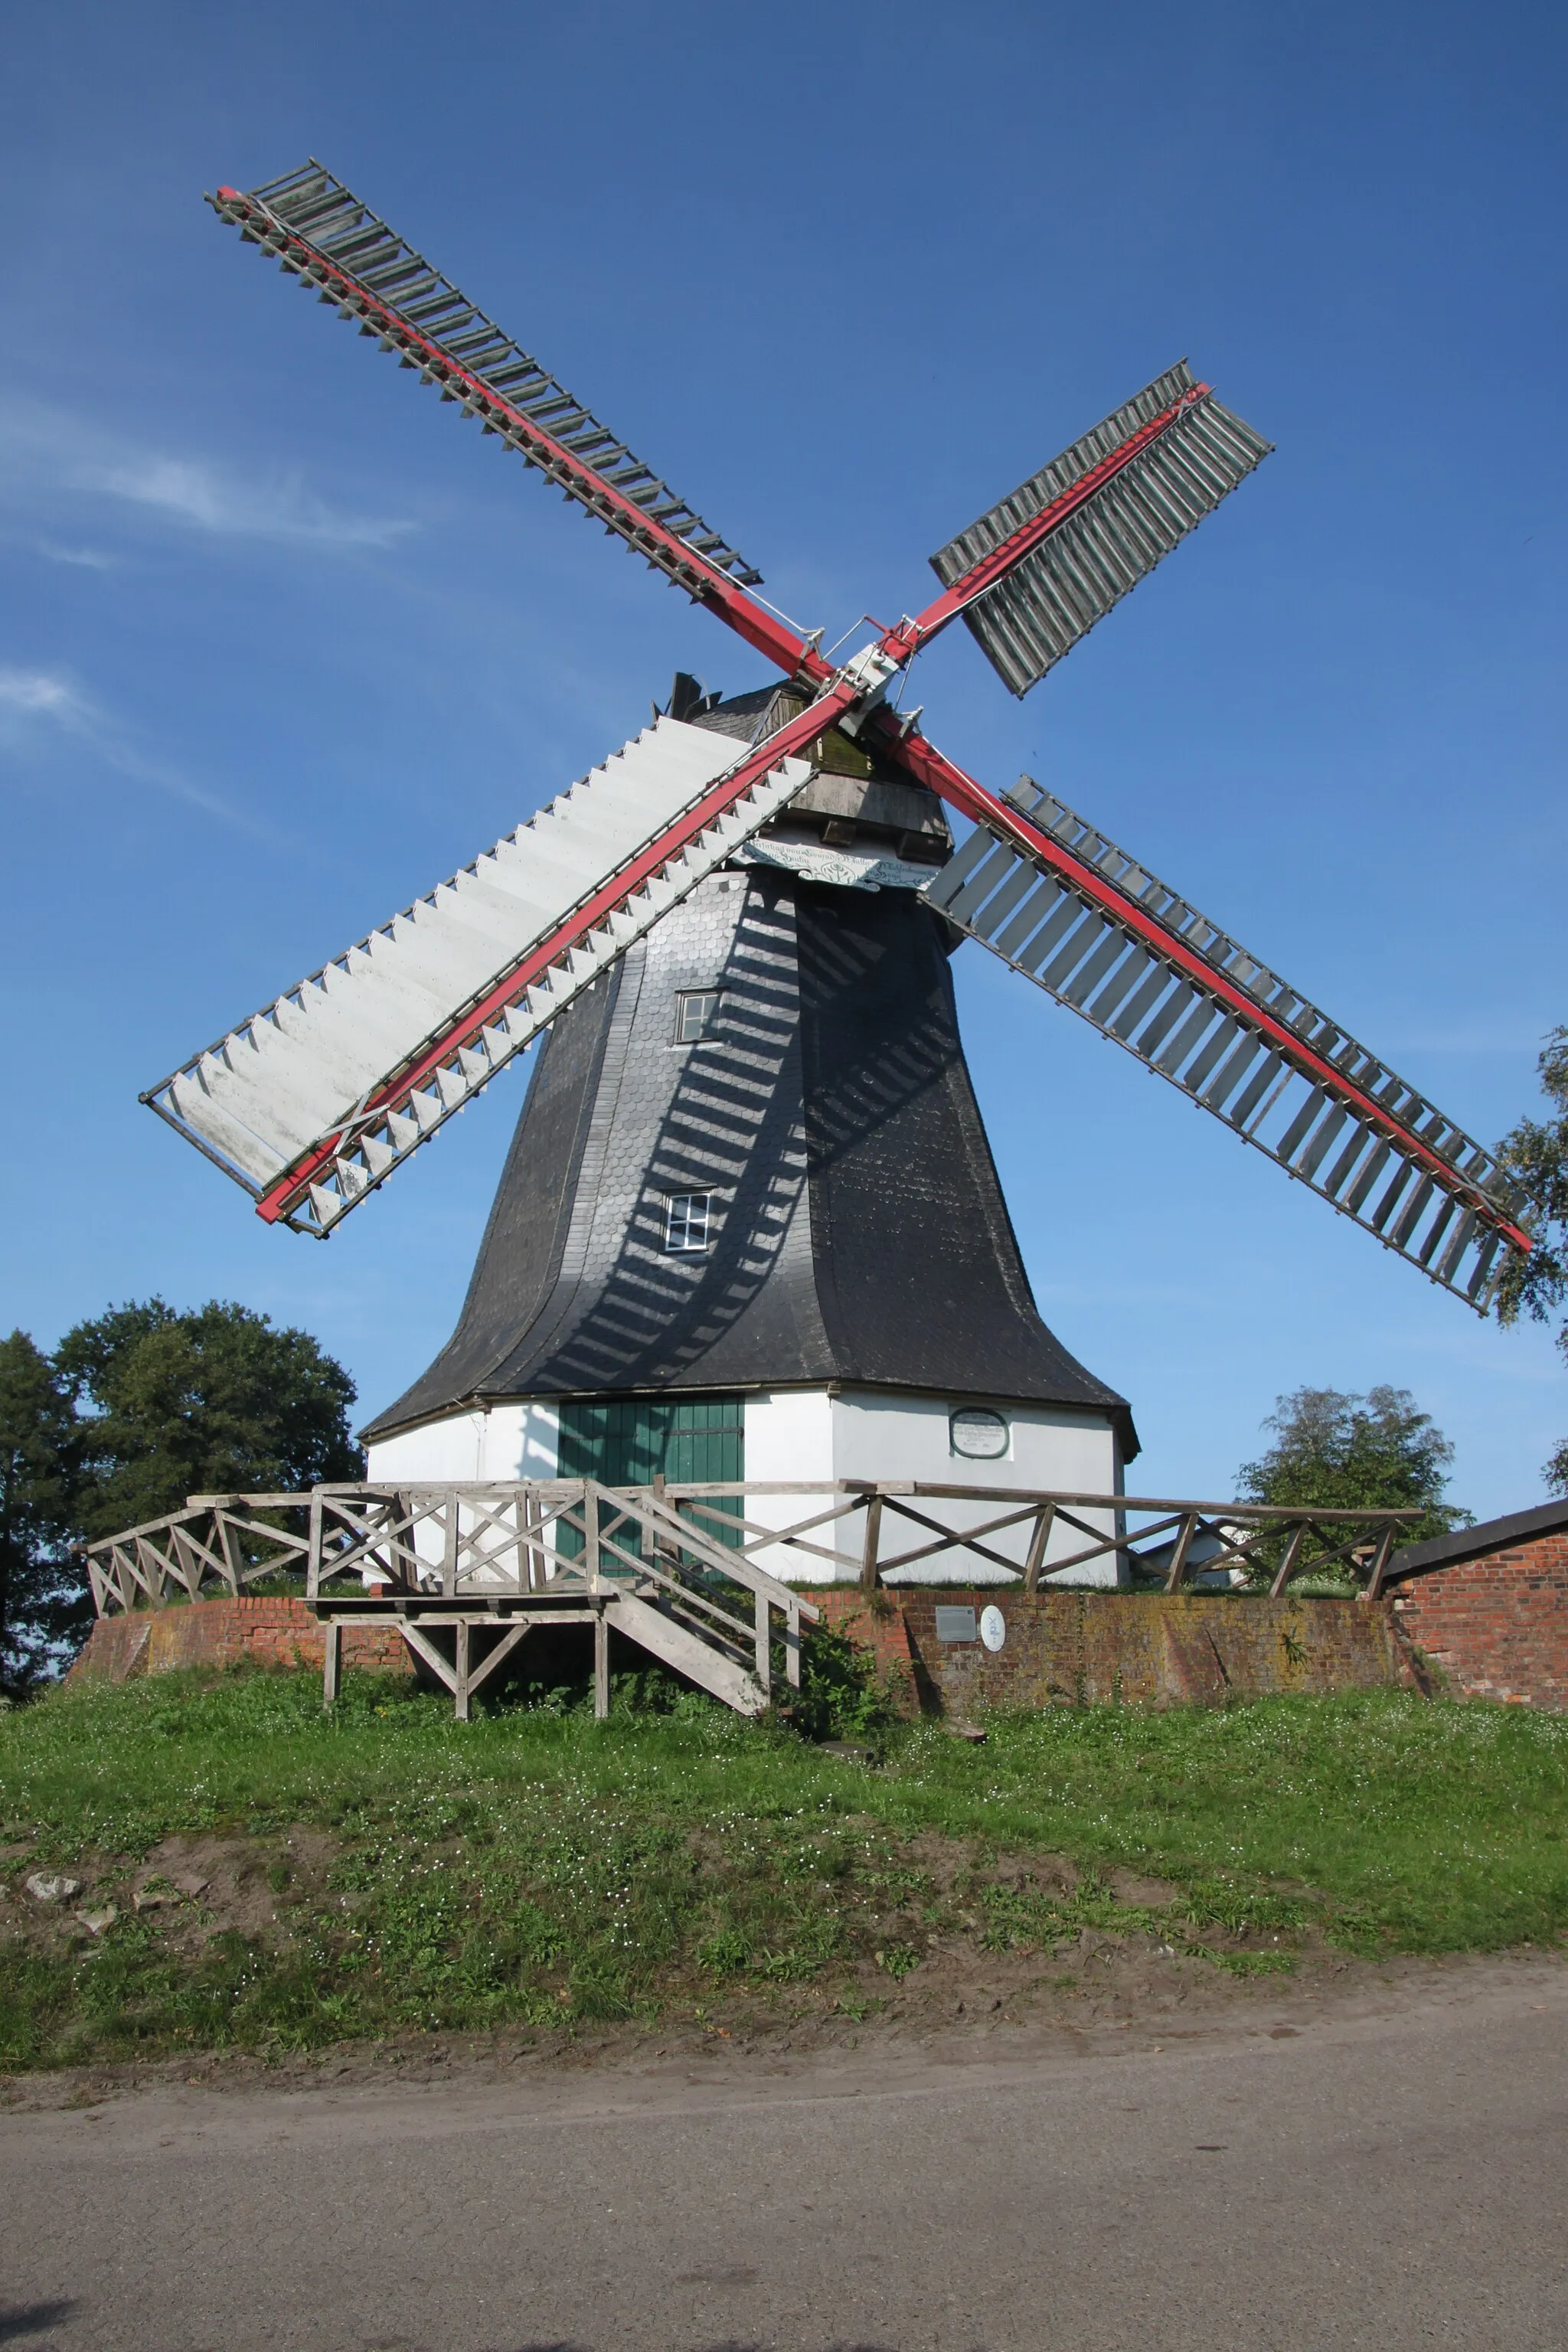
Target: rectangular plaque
<point>955,1625</point>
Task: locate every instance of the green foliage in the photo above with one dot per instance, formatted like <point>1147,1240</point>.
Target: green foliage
<point>838,1696</point>
<point>213,1401</point>
<point>1347,1453</point>
<point>1535,1155</point>
<point>43,1609</point>
<point>134,1412</point>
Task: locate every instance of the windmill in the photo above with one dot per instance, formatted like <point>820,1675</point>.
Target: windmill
<point>750,1203</point>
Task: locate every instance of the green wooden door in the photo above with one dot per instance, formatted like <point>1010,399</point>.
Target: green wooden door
<point>631,1441</point>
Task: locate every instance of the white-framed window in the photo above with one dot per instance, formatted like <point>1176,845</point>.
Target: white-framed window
<point>978,1433</point>
<point>696,1012</point>
<point>688,1222</point>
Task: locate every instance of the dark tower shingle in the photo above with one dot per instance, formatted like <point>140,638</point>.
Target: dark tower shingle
<point>859,1231</point>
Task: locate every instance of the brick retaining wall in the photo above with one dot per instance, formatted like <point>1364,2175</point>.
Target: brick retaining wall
<point>1078,1648</point>
<point>279,1631</point>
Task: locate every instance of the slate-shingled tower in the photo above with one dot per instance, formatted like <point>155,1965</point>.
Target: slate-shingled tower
<point>750,1225</point>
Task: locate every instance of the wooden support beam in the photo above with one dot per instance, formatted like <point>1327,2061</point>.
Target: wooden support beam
<point>1034,1559</point>
<point>332,1660</point>
<point>873,1537</point>
<point>601,1662</point>
<point>421,1644</point>
<point>1386,1542</point>
<point>449,1560</point>
<point>591,1536</point>
<point>792,1645</point>
<point>460,1676</point>
<point>493,1657</point>
<point>1183,1544</point>
<point>1287,1567</point>
<point>765,1660</point>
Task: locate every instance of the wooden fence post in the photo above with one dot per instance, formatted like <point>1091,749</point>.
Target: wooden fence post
<point>873,1536</point>
<point>764,1663</point>
<point>332,1660</point>
<point>1287,1567</point>
<point>1037,1543</point>
<point>1183,1544</point>
<point>460,1676</point>
<point>601,1665</point>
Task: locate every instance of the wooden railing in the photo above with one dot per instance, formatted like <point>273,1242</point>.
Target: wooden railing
<point>480,1542</point>
<point>218,1542</point>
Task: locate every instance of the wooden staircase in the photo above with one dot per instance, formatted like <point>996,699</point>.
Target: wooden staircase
<point>486,1565</point>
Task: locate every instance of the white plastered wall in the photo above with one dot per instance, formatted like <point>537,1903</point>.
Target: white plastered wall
<point>818,1435</point>
<point>508,1441</point>
<point>814,1437</point>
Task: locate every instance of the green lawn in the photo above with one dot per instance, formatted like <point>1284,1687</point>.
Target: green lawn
<point>386,1868</point>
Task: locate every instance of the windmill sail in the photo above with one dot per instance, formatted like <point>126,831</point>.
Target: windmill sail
<point>1095,521</point>
<point>314,1100</point>
<point>1099,933</point>
<point>336,245</point>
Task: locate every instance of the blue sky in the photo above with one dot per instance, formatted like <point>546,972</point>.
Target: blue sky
<point>280,644</point>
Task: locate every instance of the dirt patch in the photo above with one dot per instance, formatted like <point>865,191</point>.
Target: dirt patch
<point>193,1888</point>
<point>1105,2002</point>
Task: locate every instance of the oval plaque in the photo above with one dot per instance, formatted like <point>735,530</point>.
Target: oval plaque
<point>979,1434</point>
<point>993,1627</point>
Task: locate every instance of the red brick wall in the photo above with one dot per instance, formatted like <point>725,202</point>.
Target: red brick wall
<point>1085,1648</point>
<point>1497,1626</point>
<point>226,1633</point>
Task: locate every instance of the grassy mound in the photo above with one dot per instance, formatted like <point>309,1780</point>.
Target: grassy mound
<point>283,1879</point>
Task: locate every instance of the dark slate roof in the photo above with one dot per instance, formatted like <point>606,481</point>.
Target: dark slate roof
<point>863,1236</point>
<point>1472,1543</point>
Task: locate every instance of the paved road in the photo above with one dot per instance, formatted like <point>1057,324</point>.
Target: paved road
<point>1384,2181</point>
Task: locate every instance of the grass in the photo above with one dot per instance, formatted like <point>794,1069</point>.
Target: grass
<point>386,1869</point>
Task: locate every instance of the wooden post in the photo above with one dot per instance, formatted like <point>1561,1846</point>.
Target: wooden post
<point>449,1550</point>
<point>764,1664</point>
<point>1038,1544</point>
<point>313,1557</point>
<point>601,1662</point>
<point>1287,1567</point>
<point>332,1660</point>
<point>873,1536</point>
<point>792,1645</point>
<point>229,1540</point>
<point>1183,1545</point>
<point>590,1534</point>
<point>1374,1583</point>
<point>460,1682</point>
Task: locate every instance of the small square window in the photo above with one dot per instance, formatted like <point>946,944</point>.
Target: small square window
<point>696,1014</point>
<point>686,1219</point>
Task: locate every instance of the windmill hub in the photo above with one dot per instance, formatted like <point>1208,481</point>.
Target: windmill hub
<point>750,1216</point>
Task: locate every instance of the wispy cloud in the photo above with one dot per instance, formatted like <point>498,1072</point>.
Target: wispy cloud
<point>34,699</point>
<point>89,559</point>
<point>38,691</point>
<point>48,455</point>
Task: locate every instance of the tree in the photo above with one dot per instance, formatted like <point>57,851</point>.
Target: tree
<point>214,1401</point>
<point>1535,1155</point>
<point>43,1608</point>
<point>1347,1453</point>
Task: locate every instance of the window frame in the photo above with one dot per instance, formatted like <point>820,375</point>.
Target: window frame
<point>678,1209</point>
<point>712,998</point>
